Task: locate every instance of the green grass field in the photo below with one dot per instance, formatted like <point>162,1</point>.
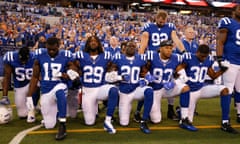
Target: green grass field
<point>167,132</point>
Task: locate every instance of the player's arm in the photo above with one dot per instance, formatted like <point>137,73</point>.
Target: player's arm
<point>214,74</point>
<point>177,41</point>
<point>220,40</point>
<point>6,79</point>
<point>144,42</point>
<point>5,84</point>
<point>35,78</point>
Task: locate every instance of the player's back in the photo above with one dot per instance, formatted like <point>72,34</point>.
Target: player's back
<point>50,66</point>
<point>22,73</point>
<point>232,43</point>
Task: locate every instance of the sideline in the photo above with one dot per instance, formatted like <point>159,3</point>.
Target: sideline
<point>18,138</point>
<point>124,129</point>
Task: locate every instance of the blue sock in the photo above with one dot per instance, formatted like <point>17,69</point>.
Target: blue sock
<point>112,101</point>
<point>139,105</point>
<point>184,99</point>
<point>237,97</point>
<point>148,101</point>
<point>61,103</point>
<point>225,105</point>
<point>36,97</point>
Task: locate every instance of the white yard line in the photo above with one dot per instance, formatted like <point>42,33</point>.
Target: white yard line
<point>18,138</point>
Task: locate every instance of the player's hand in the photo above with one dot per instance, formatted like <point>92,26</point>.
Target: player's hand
<point>126,78</point>
<point>222,64</point>
<point>31,112</point>
<point>112,77</point>
<point>142,82</point>
<point>150,78</point>
<point>5,100</point>
<point>72,74</point>
<point>169,85</point>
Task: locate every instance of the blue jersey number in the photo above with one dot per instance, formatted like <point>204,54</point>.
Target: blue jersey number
<point>52,68</point>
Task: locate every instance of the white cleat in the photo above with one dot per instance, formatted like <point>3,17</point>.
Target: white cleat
<point>109,127</point>
<point>31,116</point>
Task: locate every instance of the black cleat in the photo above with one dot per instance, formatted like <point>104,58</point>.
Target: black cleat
<point>238,118</point>
<point>186,124</point>
<point>144,128</point>
<point>61,131</point>
<point>171,114</point>
<point>137,117</point>
<point>227,128</point>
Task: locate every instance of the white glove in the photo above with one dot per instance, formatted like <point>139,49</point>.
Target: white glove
<point>31,113</point>
<point>183,79</point>
<point>225,63</point>
<point>72,74</point>
<point>112,77</point>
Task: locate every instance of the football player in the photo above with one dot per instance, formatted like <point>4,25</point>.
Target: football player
<point>132,87</point>
<point>93,62</point>
<point>51,64</point>
<point>152,36</point>
<point>162,66</point>
<point>227,50</point>
<point>19,64</point>
<point>197,66</point>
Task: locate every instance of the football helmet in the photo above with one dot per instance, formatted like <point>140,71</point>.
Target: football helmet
<point>5,114</point>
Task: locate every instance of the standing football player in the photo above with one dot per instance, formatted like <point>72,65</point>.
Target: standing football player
<point>93,62</point>
<point>197,66</point>
<point>50,67</point>
<point>228,50</point>
<point>152,36</point>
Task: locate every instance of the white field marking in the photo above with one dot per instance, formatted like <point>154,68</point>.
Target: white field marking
<point>18,138</point>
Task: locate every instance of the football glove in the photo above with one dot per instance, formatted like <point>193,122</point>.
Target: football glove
<point>5,100</point>
<point>143,82</point>
<point>112,77</point>
<point>150,78</point>
<point>72,74</point>
<point>169,85</point>
<point>223,65</point>
<point>126,78</point>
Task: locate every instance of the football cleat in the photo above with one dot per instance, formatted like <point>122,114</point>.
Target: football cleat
<point>137,117</point>
<point>144,128</point>
<point>109,127</point>
<point>186,124</point>
<point>5,100</point>
<point>61,131</point>
<point>227,128</point>
<point>31,116</point>
<point>171,114</point>
<point>238,118</point>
